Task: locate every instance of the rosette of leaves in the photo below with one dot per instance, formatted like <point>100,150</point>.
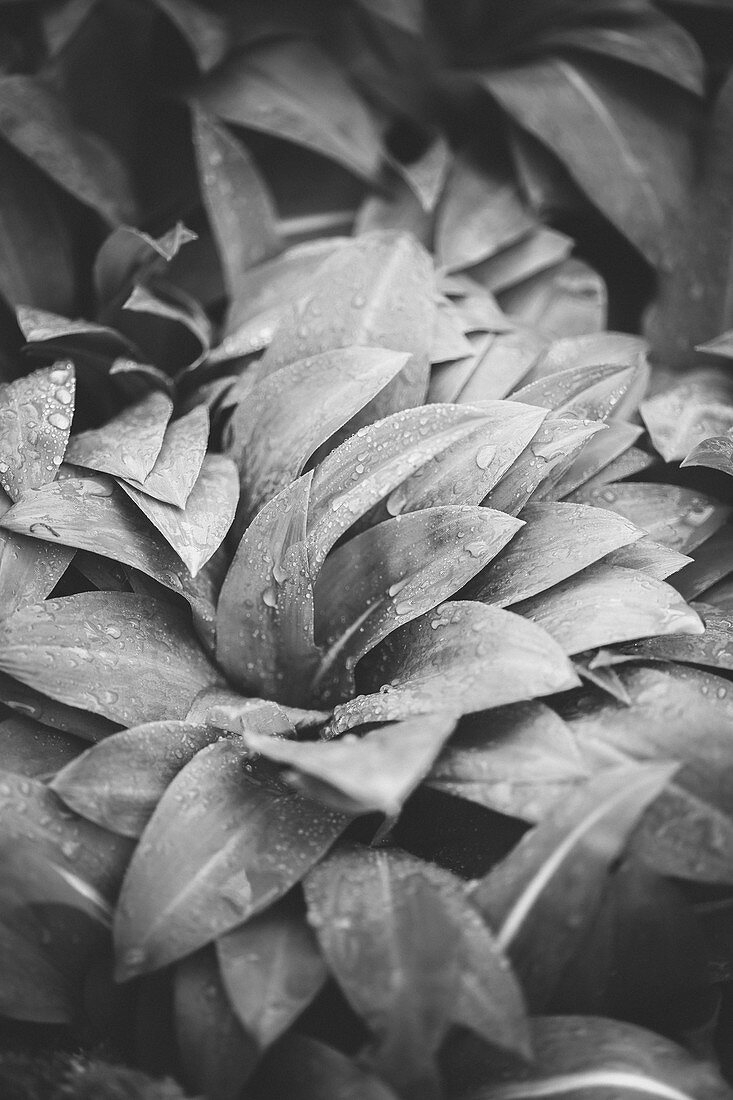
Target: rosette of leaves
<point>322,724</point>
<point>548,112</point>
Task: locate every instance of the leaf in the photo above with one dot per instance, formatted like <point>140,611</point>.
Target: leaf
<point>539,250</point>
<point>264,624</point>
<point>606,604</point>
<point>462,657</point>
<point>94,515</point>
<point>711,649</point>
<point>553,879</point>
<point>229,711</point>
<point>567,300</point>
<point>119,782</point>
<point>556,541</point>
<point>370,464</point>
<point>36,261</point>
<point>272,970</point>
<point>129,256</point>
<point>29,703</point>
<point>649,557</point>
<point>373,773</point>
<point>302,1068</point>
<point>709,563</point>
<point>205,31</point>
<point>29,569</point>
<point>223,844</point>
<point>52,924</point>
<point>630,156</point>
<point>376,291</point>
<point>412,957</point>
<point>577,1054</point>
<point>621,348</point>
<point>563,389</point>
<point>83,341</point>
<point>31,813</point>
<point>179,460</point>
<point>153,316</point>
<point>407,15</point>
<point>449,339</point>
<point>542,463</point>
<point>197,530</point>
<point>128,658</point>
<point>29,748</point>
<point>598,453</point>
<point>690,834</point>
<point>391,574</point>
<point>679,518</point>
<point>237,202</point>
<point>519,760</point>
<point>426,174</point>
<point>35,420</point>
<point>292,90</point>
<point>468,470</point>
<point>501,362</point>
<point>216,1054</point>
<point>128,445</point>
<point>632,462</point>
<point>35,121</point>
<point>716,453</point>
<point>301,406</point>
<point>680,418</point>
<point>479,214</point>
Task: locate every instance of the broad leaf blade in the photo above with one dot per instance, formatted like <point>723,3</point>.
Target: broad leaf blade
<point>29,748</point>
<point>679,518</point>
<point>463,657</point>
<point>221,846</point>
<point>35,420</point>
<point>548,888</point>
<point>119,782</point>
<point>179,460</point>
<point>116,654</point>
<point>129,444</point>
<point>680,418</point>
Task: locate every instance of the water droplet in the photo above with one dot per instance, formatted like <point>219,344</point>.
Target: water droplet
<point>59,420</point>
<point>485,456</point>
<point>269,597</point>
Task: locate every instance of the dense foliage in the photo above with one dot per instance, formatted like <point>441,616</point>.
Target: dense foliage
<point>365,599</point>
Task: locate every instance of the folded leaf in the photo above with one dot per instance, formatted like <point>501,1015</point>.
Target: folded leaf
<point>129,444</point>
<point>179,460</point>
<point>412,957</point>
<point>264,619</point>
<point>29,748</point>
<point>556,541</point>
<point>223,844</point>
<point>391,574</point>
<point>591,1055</point>
<point>301,406</point>
<point>197,530</point>
<point>35,420</point>
<point>461,657</point>
<point>606,604</point>
<point>129,256</point>
<point>229,711</point>
<point>271,969</point>
<point>500,363</point>
<point>160,311</point>
<point>29,569</point>
<point>376,772</point>
<point>715,452</point>
<point>598,453</point>
<point>128,658</point>
<point>679,518</point>
<point>536,252</point>
<point>119,782</point>
<point>216,1055</point>
<point>520,760</point>
<point>546,891</point>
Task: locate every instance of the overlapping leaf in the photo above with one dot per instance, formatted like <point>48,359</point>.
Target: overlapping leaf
<point>27,747</point>
<point>127,445</point>
<point>179,460</point>
<point>35,420</point>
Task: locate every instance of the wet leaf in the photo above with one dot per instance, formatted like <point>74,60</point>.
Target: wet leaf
<point>592,1055</point>
<point>449,338</point>
<point>237,202</point>
<point>382,456</point>
<point>679,518</point>
<point>715,452</point>
<point>565,388</point>
<point>119,782</point>
<point>262,621</point>
<point>179,460</point>
<point>709,563</point>
<point>598,453</point>
<point>713,649</point>
<point>128,445</point>
<point>462,657</point>
<point>222,845</point>
<point>479,214</point>
<point>606,604</point>
<point>680,418</point>
<point>557,541</point>
<point>29,748</point>
<point>301,406</point>
<point>116,654</point>
<point>376,772</point>
<point>236,713</point>
<point>649,557</point>
<point>29,703</point>
<point>29,569</point>
<point>391,574</point>
<point>35,121</point>
<point>631,462</point>
<point>376,291</point>
<point>412,957</point>
<point>216,1054</point>
<point>129,256</point>
<point>533,253</point>
<point>290,89</point>
<point>542,895</point>
<point>467,471</point>
<point>302,1068</point>
<point>630,156</point>
<point>519,760</point>
<point>500,363</point>
<point>569,299</point>
<point>197,530</point>
<point>32,813</point>
<point>52,924</point>
<point>35,420</point>
<point>426,174</point>
<point>271,969</point>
